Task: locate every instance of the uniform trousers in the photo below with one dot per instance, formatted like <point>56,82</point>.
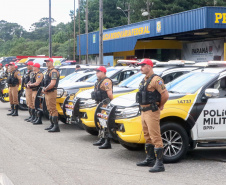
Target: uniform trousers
<point>29,97</point>
<point>151,128</point>
<point>13,95</point>
<point>50,98</point>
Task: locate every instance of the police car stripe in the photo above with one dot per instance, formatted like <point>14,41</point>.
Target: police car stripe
<point>193,109</point>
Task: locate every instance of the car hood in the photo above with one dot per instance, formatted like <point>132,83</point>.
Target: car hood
<point>129,100</point>
<point>75,85</point>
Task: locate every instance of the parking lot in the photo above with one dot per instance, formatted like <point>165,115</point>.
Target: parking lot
<point>30,155</point>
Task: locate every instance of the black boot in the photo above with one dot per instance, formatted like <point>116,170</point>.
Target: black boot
<point>39,120</point>
<point>51,126</point>
<point>106,145</point>
<point>32,115</point>
<point>158,167</point>
<point>99,142</point>
<point>150,158</point>
<point>56,126</point>
<point>15,113</point>
<point>12,110</point>
<point>29,111</point>
<point>36,117</point>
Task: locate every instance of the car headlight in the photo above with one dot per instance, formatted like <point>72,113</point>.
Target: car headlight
<point>87,103</point>
<point>60,92</point>
<point>128,112</point>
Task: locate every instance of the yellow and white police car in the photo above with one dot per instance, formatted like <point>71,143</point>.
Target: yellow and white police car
<point>193,116</point>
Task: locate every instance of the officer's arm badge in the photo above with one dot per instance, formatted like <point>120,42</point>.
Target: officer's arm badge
<point>54,76</point>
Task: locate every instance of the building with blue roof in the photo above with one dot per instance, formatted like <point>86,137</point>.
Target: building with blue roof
<point>197,34</point>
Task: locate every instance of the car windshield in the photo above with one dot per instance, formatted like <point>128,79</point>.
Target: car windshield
<point>109,73</point>
<point>134,81</point>
<point>71,78</point>
<point>190,82</point>
<point>62,71</point>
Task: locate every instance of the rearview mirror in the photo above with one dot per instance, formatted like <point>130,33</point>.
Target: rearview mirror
<point>115,82</point>
<point>212,93</point>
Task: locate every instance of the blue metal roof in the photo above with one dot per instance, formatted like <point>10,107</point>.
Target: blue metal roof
<point>124,38</point>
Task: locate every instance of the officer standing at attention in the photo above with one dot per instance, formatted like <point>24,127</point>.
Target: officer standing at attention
<point>102,90</point>
<point>28,90</point>
<point>51,81</point>
<point>152,96</point>
<point>13,80</point>
<point>34,84</point>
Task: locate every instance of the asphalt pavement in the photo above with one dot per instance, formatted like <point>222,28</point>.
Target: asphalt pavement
<point>29,155</point>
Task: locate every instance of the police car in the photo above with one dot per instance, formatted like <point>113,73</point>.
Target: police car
<point>193,116</point>
<point>84,107</point>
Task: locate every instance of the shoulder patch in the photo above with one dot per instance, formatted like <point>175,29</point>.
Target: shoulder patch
<point>106,83</point>
<point>39,76</point>
<point>54,75</point>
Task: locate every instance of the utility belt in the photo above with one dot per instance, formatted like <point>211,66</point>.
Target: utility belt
<point>52,90</point>
<point>154,107</point>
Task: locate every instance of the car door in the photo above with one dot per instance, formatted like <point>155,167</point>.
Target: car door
<point>211,123</point>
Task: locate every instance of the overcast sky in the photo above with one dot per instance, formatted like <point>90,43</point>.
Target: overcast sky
<point>26,12</point>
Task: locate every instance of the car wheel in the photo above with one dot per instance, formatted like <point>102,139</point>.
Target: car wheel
<point>175,142</point>
<point>90,130</point>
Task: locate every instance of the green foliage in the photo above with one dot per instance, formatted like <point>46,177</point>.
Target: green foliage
<point>14,40</point>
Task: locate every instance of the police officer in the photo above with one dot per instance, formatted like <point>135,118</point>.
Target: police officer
<point>13,80</point>
<point>51,81</point>
<point>77,68</point>
<point>28,90</point>
<point>34,84</point>
<point>152,96</point>
<point>102,90</point>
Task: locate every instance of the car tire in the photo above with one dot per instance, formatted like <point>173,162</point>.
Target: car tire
<point>90,130</point>
<point>176,150</point>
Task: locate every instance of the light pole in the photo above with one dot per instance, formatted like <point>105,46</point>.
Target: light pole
<point>50,31</point>
<point>147,13</point>
<point>79,31</point>
<point>128,17</point>
<point>101,31</point>
<point>87,32</point>
<point>74,33</point>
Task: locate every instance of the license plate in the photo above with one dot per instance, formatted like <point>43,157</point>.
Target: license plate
<point>103,122</point>
<point>21,101</point>
<point>69,112</point>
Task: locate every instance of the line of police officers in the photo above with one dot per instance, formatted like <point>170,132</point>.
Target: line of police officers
<point>152,96</point>
<point>34,80</point>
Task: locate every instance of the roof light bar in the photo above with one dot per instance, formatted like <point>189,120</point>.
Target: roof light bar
<point>216,63</point>
<point>183,61</point>
<point>127,61</point>
<point>171,63</point>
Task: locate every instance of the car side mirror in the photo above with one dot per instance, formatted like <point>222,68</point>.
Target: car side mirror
<point>212,93</point>
<point>115,82</point>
